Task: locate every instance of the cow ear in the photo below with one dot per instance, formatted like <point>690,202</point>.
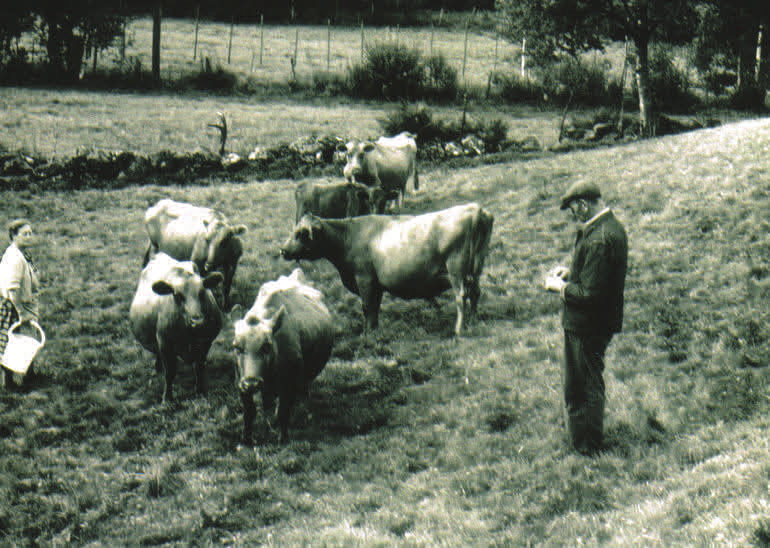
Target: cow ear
<point>368,147</point>
<point>213,280</point>
<point>240,229</point>
<point>162,287</point>
<point>237,312</point>
<point>277,320</point>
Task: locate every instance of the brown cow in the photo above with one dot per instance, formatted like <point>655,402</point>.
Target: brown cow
<point>281,345</point>
<point>198,234</point>
<point>337,200</point>
<point>387,163</point>
<point>409,257</point>
<point>174,315</point>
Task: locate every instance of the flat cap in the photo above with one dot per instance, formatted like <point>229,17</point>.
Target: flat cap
<point>580,190</point>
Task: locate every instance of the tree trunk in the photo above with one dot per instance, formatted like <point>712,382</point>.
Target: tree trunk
<point>764,61</point>
<point>642,85</point>
<point>748,57</point>
<point>157,16</point>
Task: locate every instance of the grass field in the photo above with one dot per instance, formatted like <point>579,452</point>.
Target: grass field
<point>410,437</point>
<point>62,123</point>
<point>316,50</point>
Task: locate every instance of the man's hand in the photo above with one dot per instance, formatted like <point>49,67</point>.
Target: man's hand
<point>554,283</point>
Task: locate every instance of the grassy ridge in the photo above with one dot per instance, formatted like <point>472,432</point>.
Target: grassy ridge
<point>410,437</point>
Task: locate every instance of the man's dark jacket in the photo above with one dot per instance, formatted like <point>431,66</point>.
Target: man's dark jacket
<point>593,296</point>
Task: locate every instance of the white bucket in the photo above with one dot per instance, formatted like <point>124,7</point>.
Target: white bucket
<point>22,349</point>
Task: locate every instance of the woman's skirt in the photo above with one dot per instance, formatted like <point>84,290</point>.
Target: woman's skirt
<point>8,316</point>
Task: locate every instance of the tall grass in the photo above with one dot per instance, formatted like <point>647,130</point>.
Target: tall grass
<point>410,437</point>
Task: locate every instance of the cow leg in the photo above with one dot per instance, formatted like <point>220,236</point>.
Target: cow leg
<point>229,274</point>
<point>249,415</point>
<point>458,285</point>
<point>201,378</point>
<point>474,293</point>
<point>285,403</point>
<point>371,297</point>
<point>268,401</point>
<point>168,361</point>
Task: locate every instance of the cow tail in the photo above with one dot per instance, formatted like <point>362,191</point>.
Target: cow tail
<point>416,179</point>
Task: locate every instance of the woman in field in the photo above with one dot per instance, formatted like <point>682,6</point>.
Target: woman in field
<point>18,286</point>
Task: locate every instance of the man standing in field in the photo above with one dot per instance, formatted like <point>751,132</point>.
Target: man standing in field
<point>592,297</point>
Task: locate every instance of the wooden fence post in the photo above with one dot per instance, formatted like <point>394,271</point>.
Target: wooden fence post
<point>523,57</point>
<point>230,42</point>
<point>362,40</point>
<point>197,24</point>
<point>465,48</point>
<point>294,57</point>
<point>328,43</point>
<point>261,37</point>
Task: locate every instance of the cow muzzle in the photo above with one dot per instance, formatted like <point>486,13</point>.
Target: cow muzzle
<point>249,385</point>
<point>196,321</point>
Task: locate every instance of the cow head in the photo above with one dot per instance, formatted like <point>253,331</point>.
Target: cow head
<point>188,290</point>
<point>359,167</point>
<point>302,244</point>
<point>218,247</point>
<point>256,349</point>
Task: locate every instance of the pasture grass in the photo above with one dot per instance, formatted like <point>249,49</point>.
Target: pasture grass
<point>409,436</point>
<point>59,124</point>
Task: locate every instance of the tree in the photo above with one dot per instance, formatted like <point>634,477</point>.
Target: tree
<point>17,19</point>
<point>573,26</point>
<point>65,28</point>
<point>727,37</point>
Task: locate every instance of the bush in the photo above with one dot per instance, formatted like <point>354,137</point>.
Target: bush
<point>717,80</point>
<point>396,72</point>
<point>751,97</point>
<point>419,121</point>
<point>329,83</point>
<point>441,78</point>
<point>210,79</point>
<point>389,72</point>
<point>669,87</point>
<point>586,83</point>
<point>516,89</point>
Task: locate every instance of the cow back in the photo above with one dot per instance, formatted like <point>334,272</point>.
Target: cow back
<point>308,320</point>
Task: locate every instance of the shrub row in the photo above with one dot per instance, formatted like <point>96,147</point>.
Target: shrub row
<point>396,72</point>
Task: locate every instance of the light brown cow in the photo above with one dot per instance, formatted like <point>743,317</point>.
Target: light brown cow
<point>337,200</point>
<point>409,257</point>
<point>281,345</point>
<point>199,234</point>
<point>174,315</point>
<point>387,163</point>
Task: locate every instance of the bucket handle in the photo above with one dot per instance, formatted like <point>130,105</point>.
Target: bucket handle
<point>35,325</point>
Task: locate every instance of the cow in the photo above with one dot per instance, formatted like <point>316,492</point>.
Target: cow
<point>281,344</point>
<point>198,234</point>
<point>174,315</point>
<point>337,200</point>
<point>407,256</point>
<point>387,163</point>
